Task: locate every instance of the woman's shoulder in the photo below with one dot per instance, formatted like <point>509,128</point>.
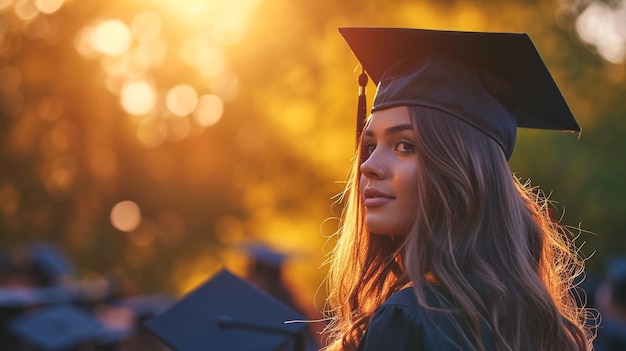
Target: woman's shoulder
<point>405,297</point>
<point>401,323</point>
<point>406,300</point>
<point>395,325</point>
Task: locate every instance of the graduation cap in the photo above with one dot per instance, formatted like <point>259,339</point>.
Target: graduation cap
<point>265,255</point>
<point>495,82</point>
<point>52,263</point>
<point>56,328</point>
<point>228,313</point>
<point>23,297</point>
<point>17,297</point>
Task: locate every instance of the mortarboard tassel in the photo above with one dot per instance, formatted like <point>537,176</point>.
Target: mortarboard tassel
<point>361,112</point>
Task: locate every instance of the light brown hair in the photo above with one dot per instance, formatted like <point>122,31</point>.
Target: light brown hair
<point>487,241</point>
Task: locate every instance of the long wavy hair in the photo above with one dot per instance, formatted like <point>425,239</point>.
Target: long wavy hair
<point>487,241</point>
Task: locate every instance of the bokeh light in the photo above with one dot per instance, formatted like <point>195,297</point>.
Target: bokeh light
<point>60,175</point>
<point>144,235</point>
<point>146,26</point>
<point>204,56</point>
<point>604,27</point>
<point>38,28</point>
<point>226,86</point>
<point>228,30</point>
<point>138,97</point>
<point>50,109</point>
<point>209,111</point>
<point>48,6</point>
<point>181,99</point>
<point>133,56</point>
<point>149,54</point>
<point>25,10</point>
<point>111,37</point>
<point>56,140</point>
<point>4,4</point>
<point>149,133</point>
<point>175,128</point>
<point>125,216</point>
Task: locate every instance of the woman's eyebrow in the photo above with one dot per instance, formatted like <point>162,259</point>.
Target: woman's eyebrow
<point>392,130</point>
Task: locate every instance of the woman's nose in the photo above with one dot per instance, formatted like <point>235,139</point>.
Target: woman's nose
<point>374,167</point>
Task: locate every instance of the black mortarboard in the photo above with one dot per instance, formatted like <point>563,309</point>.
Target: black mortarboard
<point>265,255</point>
<point>496,82</point>
<point>228,313</point>
<point>52,263</point>
<point>56,328</point>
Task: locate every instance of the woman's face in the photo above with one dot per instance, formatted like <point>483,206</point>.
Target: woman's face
<point>389,171</point>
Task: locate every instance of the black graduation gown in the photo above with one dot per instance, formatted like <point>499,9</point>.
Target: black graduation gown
<point>401,324</point>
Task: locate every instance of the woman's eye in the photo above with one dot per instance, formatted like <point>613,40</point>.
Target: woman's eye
<point>369,148</point>
<point>405,147</point>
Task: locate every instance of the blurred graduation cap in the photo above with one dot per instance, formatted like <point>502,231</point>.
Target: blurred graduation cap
<point>22,297</point>
<point>264,255</point>
<point>616,277</point>
<point>39,264</point>
<point>493,81</point>
<point>52,264</point>
<point>56,328</point>
<point>228,313</point>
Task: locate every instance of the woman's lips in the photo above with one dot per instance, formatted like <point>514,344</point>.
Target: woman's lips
<point>374,198</point>
<point>375,201</point>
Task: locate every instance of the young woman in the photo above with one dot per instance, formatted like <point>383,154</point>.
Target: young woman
<point>440,246</point>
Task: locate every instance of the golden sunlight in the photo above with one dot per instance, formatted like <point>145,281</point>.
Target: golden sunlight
<point>223,22</point>
<point>134,53</point>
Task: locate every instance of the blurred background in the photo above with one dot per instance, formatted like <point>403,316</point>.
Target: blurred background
<point>147,140</point>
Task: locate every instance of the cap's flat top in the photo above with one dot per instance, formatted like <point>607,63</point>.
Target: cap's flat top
<point>226,313</point>
<point>57,327</point>
<point>511,57</point>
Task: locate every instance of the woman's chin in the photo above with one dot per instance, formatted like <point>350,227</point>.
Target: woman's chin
<point>379,229</point>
